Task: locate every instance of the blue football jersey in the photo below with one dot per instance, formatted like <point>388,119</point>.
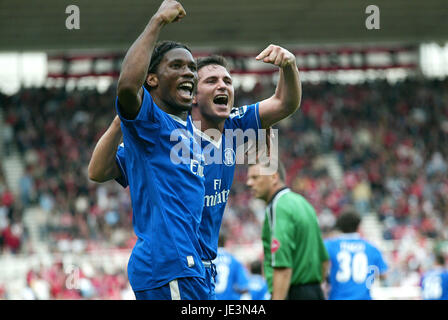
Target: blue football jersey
<point>164,170</point>
<point>219,158</point>
<point>231,277</point>
<point>435,284</point>
<point>355,263</point>
<point>258,288</point>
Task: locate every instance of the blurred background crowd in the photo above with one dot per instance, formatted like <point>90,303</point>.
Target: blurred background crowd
<point>388,159</point>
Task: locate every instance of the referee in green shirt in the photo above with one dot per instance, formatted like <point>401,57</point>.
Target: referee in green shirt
<point>295,257</point>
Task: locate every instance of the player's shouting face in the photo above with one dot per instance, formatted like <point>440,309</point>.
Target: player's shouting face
<point>176,79</point>
<point>215,92</point>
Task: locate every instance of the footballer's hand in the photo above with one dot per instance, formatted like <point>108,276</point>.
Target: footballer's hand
<point>170,11</point>
<point>277,56</point>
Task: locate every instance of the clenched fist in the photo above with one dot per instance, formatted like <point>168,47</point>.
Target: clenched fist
<point>170,11</point>
<point>277,56</point>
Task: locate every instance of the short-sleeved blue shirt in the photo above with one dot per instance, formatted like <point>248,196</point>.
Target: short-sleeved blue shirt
<point>354,265</point>
<point>164,170</point>
<point>220,159</point>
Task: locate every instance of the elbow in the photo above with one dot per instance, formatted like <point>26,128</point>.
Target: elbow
<point>291,107</point>
<point>127,85</point>
<point>126,90</point>
<point>295,104</point>
<point>291,103</point>
<point>94,174</point>
<point>299,102</point>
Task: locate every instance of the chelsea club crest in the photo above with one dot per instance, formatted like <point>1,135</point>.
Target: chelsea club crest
<point>229,157</point>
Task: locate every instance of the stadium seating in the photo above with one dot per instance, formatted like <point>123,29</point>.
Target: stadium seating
<point>388,141</point>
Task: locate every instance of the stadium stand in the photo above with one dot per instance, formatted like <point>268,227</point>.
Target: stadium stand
<point>377,146</point>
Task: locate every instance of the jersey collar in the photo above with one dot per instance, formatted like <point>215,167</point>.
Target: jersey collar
<point>278,193</point>
<point>204,136</point>
<point>178,119</point>
<point>353,235</point>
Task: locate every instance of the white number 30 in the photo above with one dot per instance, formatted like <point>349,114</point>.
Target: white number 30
<point>355,267</point>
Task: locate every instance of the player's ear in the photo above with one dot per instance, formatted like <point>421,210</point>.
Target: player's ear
<point>152,80</point>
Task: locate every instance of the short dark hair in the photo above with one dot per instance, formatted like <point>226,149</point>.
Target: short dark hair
<point>211,60</point>
<point>440,258</point>
<point>348,221</point>
<point>159,52</point>
<point>281,170</point>
<point>256,267</point>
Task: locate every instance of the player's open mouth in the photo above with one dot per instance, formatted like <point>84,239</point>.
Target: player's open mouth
<point>221,99</point>
<point>186,89</point>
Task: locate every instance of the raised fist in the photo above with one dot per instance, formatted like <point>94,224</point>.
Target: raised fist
<point>277,56</point>
<point>170,11</point>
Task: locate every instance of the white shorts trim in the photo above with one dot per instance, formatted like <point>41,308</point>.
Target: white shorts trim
<point>174,290</point>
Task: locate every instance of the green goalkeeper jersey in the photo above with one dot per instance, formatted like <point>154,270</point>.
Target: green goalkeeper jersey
<point>292,238</point>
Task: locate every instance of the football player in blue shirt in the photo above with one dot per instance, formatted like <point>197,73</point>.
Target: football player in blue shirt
<point>212,109</point>
<point>232,279</point>
<point>434,282</point>
<point>258,287</point>
<point>154,95</point>
<point>354,262</point>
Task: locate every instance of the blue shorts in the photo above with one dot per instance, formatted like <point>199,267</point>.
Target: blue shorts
<point>192,288</point>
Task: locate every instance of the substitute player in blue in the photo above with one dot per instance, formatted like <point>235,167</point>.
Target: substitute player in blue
<point>258,287</point>
<point>154,96</point>
<point>232,279</point>
<point>354,262</point>
<point>434,282</point>
<point>213,115</point>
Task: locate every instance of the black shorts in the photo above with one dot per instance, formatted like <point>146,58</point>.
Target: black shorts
<point>310,291</point>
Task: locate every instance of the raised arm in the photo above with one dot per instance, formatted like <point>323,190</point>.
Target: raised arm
<point>136,62</point>
<point>102,165</point>
<point>286,99</point>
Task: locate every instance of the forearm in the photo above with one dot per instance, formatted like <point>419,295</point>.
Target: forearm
<point>281,283</point>
<point>102,165</point>
<point>288,93</point>
<point>289,88</point>
<point>134,69</point>
<point>325,266</point>
<point>136,62</point>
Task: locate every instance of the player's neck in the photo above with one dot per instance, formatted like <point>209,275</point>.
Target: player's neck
<point>273,192</point>
<point>175,111</point>
<point>207,123</point>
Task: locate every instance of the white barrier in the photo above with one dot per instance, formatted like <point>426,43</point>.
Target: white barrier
<point>396,293</point>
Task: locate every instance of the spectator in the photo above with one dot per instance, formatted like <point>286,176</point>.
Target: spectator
<point>389,135</point>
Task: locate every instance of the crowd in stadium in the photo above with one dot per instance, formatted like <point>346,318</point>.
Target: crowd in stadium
<point>390,140</point>
<point>12,230</point>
